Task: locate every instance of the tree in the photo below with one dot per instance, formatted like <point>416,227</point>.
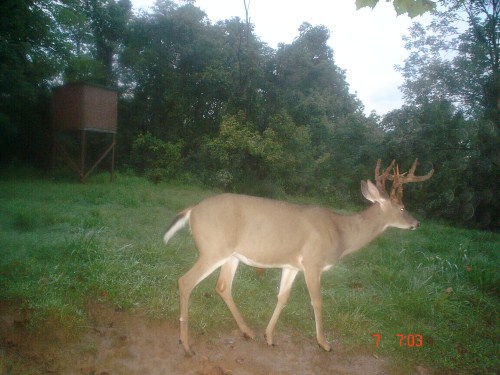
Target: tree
<point>107,20</point>
<point>172,75</point>
<point>456,60</point>
<point>309,85</point>
<point>442,139</point>
<point>31,55</point>
<point>245,61</point>
<point>279,159</point>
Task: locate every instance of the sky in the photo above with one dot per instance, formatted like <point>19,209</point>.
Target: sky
<point>366,43</point>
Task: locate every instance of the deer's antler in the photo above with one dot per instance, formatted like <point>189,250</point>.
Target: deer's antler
<point>399,179</point>
<point>380,179</point>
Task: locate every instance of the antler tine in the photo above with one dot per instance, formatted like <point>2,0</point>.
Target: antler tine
<point>397,186</point>
<point>411,175</point>
<point>381,178</point>
<point>400,179</point>
<point>411,172</point>
<point>377,169</point>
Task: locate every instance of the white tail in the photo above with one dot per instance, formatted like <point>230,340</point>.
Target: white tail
<point>231,228</point>
<point>179,222</point>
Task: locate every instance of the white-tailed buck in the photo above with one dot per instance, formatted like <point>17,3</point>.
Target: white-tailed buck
<point>264,233</point>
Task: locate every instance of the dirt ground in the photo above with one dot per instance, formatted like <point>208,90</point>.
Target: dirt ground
<point>118,342</point>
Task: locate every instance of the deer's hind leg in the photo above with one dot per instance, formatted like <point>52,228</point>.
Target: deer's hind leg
<point>312,277</point>
<point>224,288</point>
<point>203,267</point>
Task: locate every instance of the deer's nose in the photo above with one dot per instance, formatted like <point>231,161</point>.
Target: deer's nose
<point>415,225</point>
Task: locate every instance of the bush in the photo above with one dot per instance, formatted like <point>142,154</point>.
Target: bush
<point>279,158</point>
<point>239,154</point>
<point>156,159</point>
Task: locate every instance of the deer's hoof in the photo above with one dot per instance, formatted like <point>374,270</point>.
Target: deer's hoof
<point>188,352</point>
<point>248,336</point>
<point>325,347</point>
<point>248,333</point>
<point>269,341</point>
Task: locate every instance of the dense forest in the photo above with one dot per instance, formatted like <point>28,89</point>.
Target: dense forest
<point>211,102</point>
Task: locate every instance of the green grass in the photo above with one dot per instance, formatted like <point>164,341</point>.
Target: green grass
<point>64,245</point>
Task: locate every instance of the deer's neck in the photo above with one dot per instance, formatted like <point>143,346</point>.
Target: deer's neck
<point>360,229</point>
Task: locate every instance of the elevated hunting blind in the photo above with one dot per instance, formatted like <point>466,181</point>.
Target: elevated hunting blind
<point>84,110</point>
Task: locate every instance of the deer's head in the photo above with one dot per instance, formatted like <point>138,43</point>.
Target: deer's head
<point>391,203</point>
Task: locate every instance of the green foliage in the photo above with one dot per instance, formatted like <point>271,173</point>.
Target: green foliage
<point>418,132</point>
<point>279,159</point>
<point>31,54</point>
<point>412,7</point>
<point>241,155</point>
<point>295,166</point>
<point>451,88</point>
<point>176,74</point>
<point>85,69</point>
<point>107,20</point>
<point>310,86</point>
<point>354,141</point>
<point>156,159</point>
<point>465,78</point>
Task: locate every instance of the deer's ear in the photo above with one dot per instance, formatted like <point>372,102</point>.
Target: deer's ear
<point>371,192</point>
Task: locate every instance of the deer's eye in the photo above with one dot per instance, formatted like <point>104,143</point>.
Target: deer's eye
<point>402,209</point>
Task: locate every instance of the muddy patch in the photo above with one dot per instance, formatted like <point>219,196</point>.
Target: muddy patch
<point>118,342</point>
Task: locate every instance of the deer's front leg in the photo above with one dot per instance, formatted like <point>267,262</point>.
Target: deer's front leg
<point>313,285</point>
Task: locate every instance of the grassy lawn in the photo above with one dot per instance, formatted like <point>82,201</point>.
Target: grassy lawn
<point>63,244</point>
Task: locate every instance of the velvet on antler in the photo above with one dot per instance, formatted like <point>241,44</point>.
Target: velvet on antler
<point>398,179</point>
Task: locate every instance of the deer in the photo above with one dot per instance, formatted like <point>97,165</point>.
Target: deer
<point>230,228</point>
